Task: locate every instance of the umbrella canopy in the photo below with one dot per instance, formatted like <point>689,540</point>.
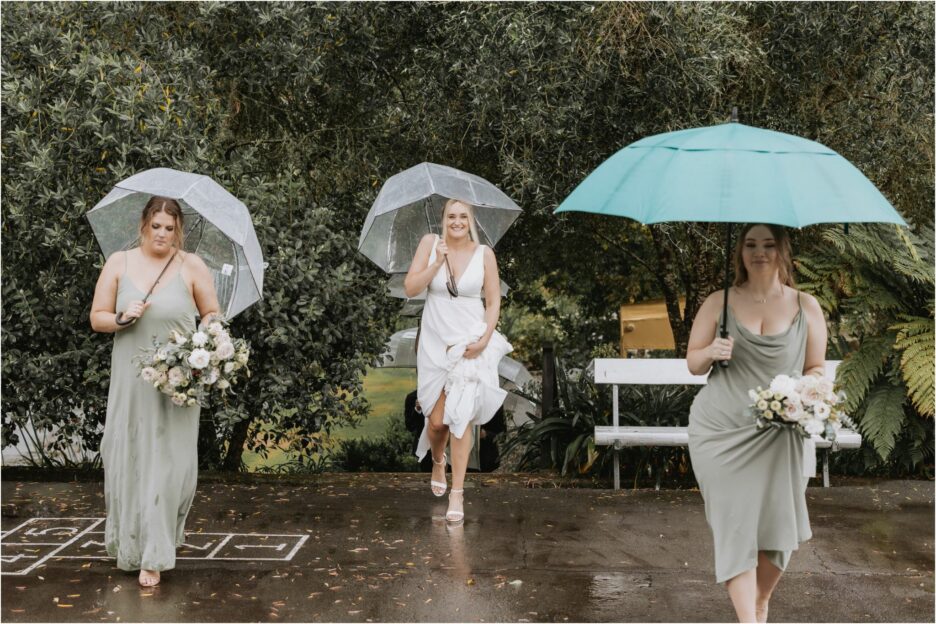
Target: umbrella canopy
<point>410,205</point>
<point>731,173</point>
<point>217,227</point>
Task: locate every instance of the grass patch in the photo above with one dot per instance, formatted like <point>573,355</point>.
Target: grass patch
<point>385,389</point>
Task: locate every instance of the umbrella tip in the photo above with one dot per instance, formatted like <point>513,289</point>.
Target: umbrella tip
<point>734,114</point>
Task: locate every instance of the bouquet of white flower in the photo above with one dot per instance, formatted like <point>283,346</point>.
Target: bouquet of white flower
<point>188,367</point>
<point>807,403</point>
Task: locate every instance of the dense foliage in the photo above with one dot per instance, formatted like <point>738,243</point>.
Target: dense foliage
<point>302,109</point>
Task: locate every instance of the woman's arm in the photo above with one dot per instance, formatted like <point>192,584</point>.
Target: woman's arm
<point>817,335</point>
<point>421,272</point>
<point>103,306</point>
<point>203,290</point>
<point>704,348</point>
<point>492,301</point>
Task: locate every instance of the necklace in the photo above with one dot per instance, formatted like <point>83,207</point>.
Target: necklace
<point>764,300</point>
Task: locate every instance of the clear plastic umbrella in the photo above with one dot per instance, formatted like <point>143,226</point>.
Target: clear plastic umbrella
<point>410,204</point>
<point>413,306</point>
<point>217,227</point>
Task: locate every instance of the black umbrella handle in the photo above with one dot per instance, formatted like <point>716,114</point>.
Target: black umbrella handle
<point>724,323</point>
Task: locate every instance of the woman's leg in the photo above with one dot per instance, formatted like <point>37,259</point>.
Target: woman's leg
<point>461,449</point>
<point>743,591</point>
<point>768,575</point>
<point>438,438</point>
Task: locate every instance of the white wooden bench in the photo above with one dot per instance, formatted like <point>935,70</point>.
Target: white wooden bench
<point>617,372</point>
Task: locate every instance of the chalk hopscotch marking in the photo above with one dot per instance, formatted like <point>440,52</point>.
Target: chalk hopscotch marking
<point>37,540</point>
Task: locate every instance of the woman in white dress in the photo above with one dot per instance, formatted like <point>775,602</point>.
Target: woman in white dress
<point>458,349</point>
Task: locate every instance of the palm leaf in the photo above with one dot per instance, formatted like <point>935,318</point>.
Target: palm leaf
<point>916,339</point>
<point>860,368</point>
<point>883,417</point>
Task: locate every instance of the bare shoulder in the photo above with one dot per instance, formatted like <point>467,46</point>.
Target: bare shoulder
<point>713,302</point>
<point>427,240</point>
<point>810,304</point>
<point>115,263</point>
<point>194,262</point>
<point>488,253</point>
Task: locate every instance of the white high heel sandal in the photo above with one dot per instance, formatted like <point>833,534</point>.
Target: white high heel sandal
<point>455,516</point>
<point>442,485</point>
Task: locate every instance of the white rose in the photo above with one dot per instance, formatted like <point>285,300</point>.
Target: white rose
<point>215,328</point>
<point>223,384</point>
<point>191,402</point>
<point>224,351</point>
<point>176,376</point>
<point>826,386</point>
<point>768,415</point>
<point>762,405</point>
<point>822,411</point>
<point>229,367</point>
<point>199,338</point>
<point>161,354</point>
<point>814,427</point>
<point>791,412</point>
<point>775,406</point>
<point>784,384</point>
<point>149,374</point>
<point>212,376</point>
<point>179,399</point>
<point>199,358</point>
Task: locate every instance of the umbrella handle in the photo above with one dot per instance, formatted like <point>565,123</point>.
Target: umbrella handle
<point>450,283</point>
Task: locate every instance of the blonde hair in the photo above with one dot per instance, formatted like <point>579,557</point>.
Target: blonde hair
<point>472,228</point>
<point>784,252</point>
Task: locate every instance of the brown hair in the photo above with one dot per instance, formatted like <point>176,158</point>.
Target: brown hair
<point>472,228</point>
<point>784,250</point>
<point>171,207</point>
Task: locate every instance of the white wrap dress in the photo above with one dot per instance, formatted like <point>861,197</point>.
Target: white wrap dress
<point>449,325</point>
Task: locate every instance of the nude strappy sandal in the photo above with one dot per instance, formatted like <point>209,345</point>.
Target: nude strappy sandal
<point>455,516</point>
<point>442,485</point>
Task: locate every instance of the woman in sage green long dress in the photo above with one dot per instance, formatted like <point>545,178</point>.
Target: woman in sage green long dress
<point>752,480</point>
<point>149,448</point>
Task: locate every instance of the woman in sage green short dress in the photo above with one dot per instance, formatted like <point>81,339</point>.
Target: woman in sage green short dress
<point>752,480</point>
<point>149,448</point>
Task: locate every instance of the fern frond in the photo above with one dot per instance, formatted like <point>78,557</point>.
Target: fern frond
<point>860,368</point>
<point>883,418</point>
<point>916,339</point>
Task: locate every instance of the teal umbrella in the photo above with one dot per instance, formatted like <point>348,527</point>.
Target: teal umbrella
<point>730,173</point>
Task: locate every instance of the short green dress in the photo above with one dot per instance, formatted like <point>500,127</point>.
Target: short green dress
<point>751,480</point>
<point>150,446</point>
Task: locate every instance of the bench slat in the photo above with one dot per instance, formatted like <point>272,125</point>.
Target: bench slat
<point>663,371</point>
<point>679,436</point>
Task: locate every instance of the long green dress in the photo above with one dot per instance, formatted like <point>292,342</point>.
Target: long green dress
<point>150,445</point>
<point>751,480</point>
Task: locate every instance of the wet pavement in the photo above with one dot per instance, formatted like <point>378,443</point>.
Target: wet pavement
<point>371,547</point>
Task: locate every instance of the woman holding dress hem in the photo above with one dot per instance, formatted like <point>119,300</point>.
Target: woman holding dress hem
<point>459,348</point>
<point>751,480</point>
